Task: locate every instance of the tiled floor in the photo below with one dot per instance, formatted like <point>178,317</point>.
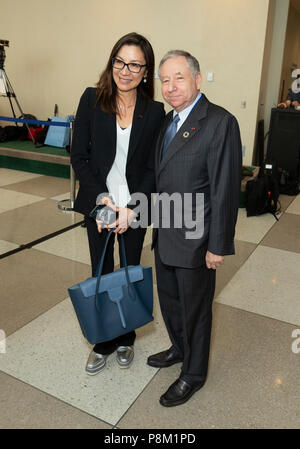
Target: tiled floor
<point>253,377</point>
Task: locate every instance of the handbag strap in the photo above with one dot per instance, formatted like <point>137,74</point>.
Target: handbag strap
<point>124,260</point>
<point>101,263</point>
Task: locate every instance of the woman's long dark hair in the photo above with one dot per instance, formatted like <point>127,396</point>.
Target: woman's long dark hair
<point>106,87</point>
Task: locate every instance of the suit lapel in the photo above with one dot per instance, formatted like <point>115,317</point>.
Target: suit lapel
<point>105,129</point>
<point>138,123</point>
<point>190,127</point>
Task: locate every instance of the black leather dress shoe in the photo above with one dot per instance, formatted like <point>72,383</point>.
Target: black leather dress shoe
<point>179,393</point>
<point>164,359</point>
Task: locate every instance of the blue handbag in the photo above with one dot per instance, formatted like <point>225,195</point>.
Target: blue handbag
<point>58,136</point>
<point>113,304</point>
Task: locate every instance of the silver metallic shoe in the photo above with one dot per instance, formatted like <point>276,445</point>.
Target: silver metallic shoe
<point>125,356</point>
<point>96,362</point>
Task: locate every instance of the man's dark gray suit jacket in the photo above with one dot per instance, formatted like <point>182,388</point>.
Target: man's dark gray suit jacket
<point>204,157</point>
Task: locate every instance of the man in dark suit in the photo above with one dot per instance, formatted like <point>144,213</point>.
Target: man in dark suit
<point>198,153</point>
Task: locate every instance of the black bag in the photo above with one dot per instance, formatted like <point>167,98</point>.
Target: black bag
<point>289,182</point>
<point>262,193</point>
<point>10,133</point>
<point>2,135</point>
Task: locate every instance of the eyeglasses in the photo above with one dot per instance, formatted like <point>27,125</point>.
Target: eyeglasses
<point>133,67</point>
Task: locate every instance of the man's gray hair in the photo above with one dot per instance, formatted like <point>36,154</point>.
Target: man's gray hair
<point>191,60</point>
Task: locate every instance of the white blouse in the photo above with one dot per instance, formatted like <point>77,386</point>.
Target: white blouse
<point>116,180</point>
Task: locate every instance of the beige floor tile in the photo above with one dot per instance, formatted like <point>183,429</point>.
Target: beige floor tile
<point>67,194</point>
<point>294,207</point>
<point>31,222</point>
<point>52,354</point>
<point>31,283</point>
<point>148,236</point>
<point>8,176</point>
<point>28,408</point>
<point>44,336</point>
<point>72,245</point>
<point>285,234</point>
<point>267,284</point>
<point>147,260</point>
<point>7,246</point>
<point>252,381</point>
<point>10,200</point>
<point>232,264</point>
<point>286,201</point>
<point>45,186</point>
<point>62,196</point>
<point>253,229</point>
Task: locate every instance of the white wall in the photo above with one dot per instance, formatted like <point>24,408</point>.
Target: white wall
<point>59,47</point>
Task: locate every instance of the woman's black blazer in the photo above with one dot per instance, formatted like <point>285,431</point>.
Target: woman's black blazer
<point>94,148</point>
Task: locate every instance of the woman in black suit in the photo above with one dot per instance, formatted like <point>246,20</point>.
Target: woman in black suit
<point>115,130</point>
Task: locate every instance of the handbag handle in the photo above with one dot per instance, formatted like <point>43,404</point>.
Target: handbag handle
<point>100,266</point>
<point>99,273</point>
<point>123,257</point>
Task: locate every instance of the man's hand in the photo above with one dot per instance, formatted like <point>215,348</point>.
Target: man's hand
<point>296,103</point>
<point>213,260</point>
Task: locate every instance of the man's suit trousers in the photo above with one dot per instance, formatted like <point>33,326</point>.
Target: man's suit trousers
<point>186,297</point>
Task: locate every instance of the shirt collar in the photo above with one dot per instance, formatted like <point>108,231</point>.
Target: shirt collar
<point>185,112</point>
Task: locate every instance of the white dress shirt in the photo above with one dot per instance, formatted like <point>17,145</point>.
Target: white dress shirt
<point>184,114</point>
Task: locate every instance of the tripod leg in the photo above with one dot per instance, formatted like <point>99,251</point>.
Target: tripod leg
<point>11,105</point>
<point>7,87</point>
<point>10,93</point>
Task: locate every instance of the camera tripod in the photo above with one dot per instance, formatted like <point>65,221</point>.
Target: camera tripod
<point>8,89</point>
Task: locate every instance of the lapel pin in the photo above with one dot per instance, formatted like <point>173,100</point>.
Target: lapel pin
<point>186,134</point>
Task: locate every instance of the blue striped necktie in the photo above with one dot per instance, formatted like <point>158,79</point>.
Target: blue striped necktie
<point>169,135</point>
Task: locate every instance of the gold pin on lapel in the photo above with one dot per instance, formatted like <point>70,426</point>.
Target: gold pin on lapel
<point>186,134</point>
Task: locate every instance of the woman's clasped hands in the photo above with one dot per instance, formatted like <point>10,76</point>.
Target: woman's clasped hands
<point>123,221</point>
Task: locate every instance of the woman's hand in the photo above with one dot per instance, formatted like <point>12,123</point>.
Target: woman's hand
<point>99,225</point>
<point>107,202</point>
<point>124,220</point>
